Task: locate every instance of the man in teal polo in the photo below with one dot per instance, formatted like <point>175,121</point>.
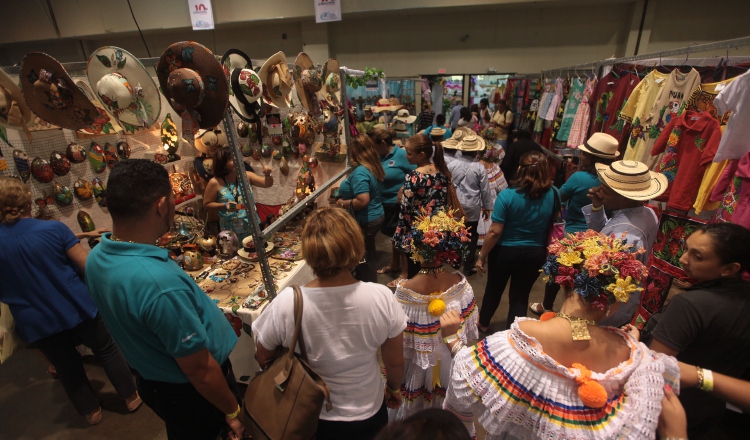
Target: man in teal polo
<point>170,332</point>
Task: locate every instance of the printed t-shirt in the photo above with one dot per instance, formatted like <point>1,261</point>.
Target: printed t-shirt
<point>611,122</point>
<point>576,190</point>
<point>735,97</point>
<point>362,181</point>
<point>637,108</point>
<point>502,118</point>
<point>525,221</point>
<point>395,166</point>
<point>600,100</point>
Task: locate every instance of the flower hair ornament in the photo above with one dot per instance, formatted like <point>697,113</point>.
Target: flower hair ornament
<point>437,238</point>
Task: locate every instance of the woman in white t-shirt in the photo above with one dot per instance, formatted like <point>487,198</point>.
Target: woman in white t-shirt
<point>344,322</point>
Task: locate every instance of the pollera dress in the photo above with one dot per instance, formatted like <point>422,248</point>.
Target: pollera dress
<point>428,359</point>
<point>498,183</point>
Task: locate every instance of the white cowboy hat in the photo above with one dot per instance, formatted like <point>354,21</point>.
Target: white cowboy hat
<point>384,105</point>
<point>632,179</point>
<point>124,86</point>
<point>601,145</point>
<point>277,81</point>
<point>245,86</point>
<point>404,116</point>
<point>471,142</point>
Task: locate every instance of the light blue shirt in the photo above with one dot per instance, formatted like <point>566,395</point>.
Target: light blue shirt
<point>472,186</point>
<point>455,116</point>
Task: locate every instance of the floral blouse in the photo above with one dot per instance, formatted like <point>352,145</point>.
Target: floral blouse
<point>428,191</point>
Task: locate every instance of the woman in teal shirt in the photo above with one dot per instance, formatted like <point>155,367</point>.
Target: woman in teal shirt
<point>361,193</point>
<point>395,165</point>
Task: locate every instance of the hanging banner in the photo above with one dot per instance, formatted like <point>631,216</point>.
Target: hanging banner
<point>327,10</point>
<point>201,14</point>
<point>371,86</point>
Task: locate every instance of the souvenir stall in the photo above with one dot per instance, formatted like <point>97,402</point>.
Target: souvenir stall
<point>684,117</point>
<point>491,86</point>
<point>293,122</point>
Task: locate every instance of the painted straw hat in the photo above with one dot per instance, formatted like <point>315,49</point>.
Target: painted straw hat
<point>124,86</point>
<point>471,142</point>
<point>248,250</point>
<point>404,116</point>
<point>52,95</point>
<point>331,83</point>
<point>384,105</point>
<point>601,145</point>
<point>105,122</point>
<point>307,82</point>
<point>632,179</point>
<point>245,86</point>
<point>14,112</point>
<point>193,82</point>
<point>277,81</point>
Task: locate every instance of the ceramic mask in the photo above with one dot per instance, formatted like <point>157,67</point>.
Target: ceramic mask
<point>22,164</point>
<point>110,155</point>
<point>100,191</point>
<point>96,158</point>
<point>82,189</point>
<point>41,170</point>
<point>193,260</point>
<point>63,195</point>
<point>60,164</point>
<point>123,149</point>
<point>85,221</point>
<point>76,153</point>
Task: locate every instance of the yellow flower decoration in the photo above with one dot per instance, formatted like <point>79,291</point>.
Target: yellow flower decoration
<point>570,258</point>
<point>622,288</point>
<point>436,307</point>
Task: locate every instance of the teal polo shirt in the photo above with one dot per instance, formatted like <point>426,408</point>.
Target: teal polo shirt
<point>576,191</point>
<point>154,310</point>
<point>525,221</point>
<point>361,181</point>
<point>395,166</point>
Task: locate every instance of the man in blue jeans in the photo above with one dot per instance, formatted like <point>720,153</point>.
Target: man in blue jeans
<point>170,332</point>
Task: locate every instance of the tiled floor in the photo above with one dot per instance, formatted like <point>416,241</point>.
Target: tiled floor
<point>33,405</point>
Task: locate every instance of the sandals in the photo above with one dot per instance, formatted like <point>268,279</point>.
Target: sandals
<point>389,269</point>
<point>483,328</point>
<point>395,282</point>
<point>538,309</point>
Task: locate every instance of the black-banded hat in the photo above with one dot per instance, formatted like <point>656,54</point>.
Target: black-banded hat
<point>601,145</point>
<point>632,179</point>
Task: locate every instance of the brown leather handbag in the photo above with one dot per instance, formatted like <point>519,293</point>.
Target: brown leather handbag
<point>284,401</point>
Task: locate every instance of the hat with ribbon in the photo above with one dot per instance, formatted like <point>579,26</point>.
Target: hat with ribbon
<point>307,82</point>
<point>437,133</point>
<point>455,138</point>
<point>471,142</point>
<point>193,82</point>
<point>332,83</point>
<point>403,115</point>
<point>245,86</point>
<point>104,122</point>
<point>601,145</point>
<point>632,179</point>
<point>277,81</point>
<point>249,251</point>
<point>384,105</point>
<point>14,113</point>
<point>52,95</point>
<point>124,86</point>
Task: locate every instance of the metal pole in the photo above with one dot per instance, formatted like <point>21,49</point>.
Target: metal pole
<point>347,130</point>
<point>247,195</point>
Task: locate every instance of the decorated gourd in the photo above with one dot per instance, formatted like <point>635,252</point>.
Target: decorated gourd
<point>192,260</point>
<point>63,195</point>
<point>59,163</point>
<point>96,157</point>
<point>100,191</point>
<point>227,243</point>
<point>82,189</point>
<point>41,170</point>
<point>85,221</point>
<point>242,130</point>
<point>22,164</point>
<point>110,155</point>
<point>76,153</point>
<point>123,149</point>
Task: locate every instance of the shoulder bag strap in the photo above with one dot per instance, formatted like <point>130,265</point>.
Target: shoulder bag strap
<point>298,338</point>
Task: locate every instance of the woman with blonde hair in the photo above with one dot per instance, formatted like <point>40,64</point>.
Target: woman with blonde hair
<point>43,284</point>
<point>361,194</point>
<point>514,247</point>
<point>344,322</point>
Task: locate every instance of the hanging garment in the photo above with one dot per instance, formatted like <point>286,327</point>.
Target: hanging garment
<point>611,122</point>
<point>571,107</point>
<point>600,100</point>
<point>560,111</point>
<point>579,129</point>
<point>735,97</point>
<point>557,98</point>
<point>544,102</point>
<point>726,192</point>
<point>689,143</point>
<point>637,108</point>
<point>702,100</point>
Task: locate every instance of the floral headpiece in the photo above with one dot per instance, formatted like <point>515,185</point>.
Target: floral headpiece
<point>489,133</point>
<point>438,238</point>
<point>492,154</point>
<point>601,268</point>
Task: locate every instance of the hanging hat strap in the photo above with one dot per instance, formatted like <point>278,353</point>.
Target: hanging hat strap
<point>15,115</point>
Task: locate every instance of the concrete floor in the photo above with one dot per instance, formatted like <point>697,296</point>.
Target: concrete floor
<point>34,406</point>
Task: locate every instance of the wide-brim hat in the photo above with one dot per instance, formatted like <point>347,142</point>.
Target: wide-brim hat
<point>105,122</point>
<point>14,112</point>
<point>331,83</point>
<point>601,145</point>
<point>453,141</point>
<point>277,81</point>
<point>403,115</point>
<point>384,105</point>
<point>632,179</point>
<point>437,132</point>
<point>193,82</point>
<point>307,81</point>
<point>245,86</point>
<point>244,251</point>
<point>52,95</point>
<point>471,142</point>
<point>400,126</point>
<point>209,140</point>
<point>124,86</point>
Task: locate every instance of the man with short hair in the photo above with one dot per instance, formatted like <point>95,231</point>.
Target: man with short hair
<point>625,186</point>
<point>456,114</point>
<point>169,330</point>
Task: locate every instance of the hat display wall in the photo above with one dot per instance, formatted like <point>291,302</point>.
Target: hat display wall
<point>384,105</point>
<point>471,142</point>
<point>14,112</point>
<point>52,95</point>
<point>331,83</point>
<point>193,81</point>
<point>404,116</point>
<point>632,179</point>
<point>124,86</point>
<point>307,82</point>
<point>601,145</point>
<point>245,86</point>
<point>208,141</point>
<point>104,122</point>
<point>277,81</point>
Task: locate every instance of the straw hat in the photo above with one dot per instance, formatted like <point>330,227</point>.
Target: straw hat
<point>193,82</point>
<point>403,115</point>
<point>332,83</point>
<point>455,139</point>
<point>471,142</point>
<point>52,95</point>
<point>384,105</point>
<point>632,179</point>
<point>437,132</point>
<point>245,86</point>
<point>248,247</point>
<point>209,140</point>
<point>277,81</point>
<point>400,126</point>
<point>105,122</point>
<point>14,113</point>
<point>307,81</point>
<point>124,86</point>
<point>601,145</point>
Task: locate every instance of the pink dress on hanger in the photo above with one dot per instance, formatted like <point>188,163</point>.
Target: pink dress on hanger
<point>556,100</point>
<point>582,119</point>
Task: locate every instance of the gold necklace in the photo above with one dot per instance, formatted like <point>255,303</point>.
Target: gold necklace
<point>578,326</point>
<point>114,238</point>
<point>432,270</point>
